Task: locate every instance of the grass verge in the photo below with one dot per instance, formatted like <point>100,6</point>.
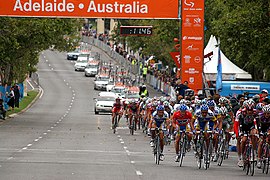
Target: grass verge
<point>24,102</point>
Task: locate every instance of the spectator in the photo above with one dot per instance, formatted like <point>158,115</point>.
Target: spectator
<point>17,95</point>
<point>180,89</point>
<point>2,110</point>
<point>263,95</point>
<point>11,97</point>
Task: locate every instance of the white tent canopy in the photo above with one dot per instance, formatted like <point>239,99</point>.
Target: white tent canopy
<point>229,70</point>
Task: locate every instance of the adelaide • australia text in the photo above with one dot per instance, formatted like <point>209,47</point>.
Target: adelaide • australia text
<point>91,7</point>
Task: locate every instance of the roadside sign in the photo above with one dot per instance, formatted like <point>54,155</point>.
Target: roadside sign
<point>136,30</point>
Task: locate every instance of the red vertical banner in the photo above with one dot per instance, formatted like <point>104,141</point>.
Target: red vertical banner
<point>192,13</point>
<point>176,58</point>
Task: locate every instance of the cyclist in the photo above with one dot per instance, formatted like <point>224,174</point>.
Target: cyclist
<point>168,108</point>
<point>247,125</point>
<point>117,109</point>
<point>264,128</point>
<point>206,121</point>
<point>180,120</point>
<point>159,119</point>
<point>226,125</point>
<point>224,102</point>
<point>133,108</point>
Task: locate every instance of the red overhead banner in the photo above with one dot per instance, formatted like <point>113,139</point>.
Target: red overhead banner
<point>139,9</point>
<point>192,43</point>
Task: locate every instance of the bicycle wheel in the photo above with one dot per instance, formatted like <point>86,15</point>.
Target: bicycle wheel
<point>205,155</point>
<point>210,152</point>
<point>220,153</point>
<point>114,124</point>
<point>182,151</point>
<point>267,164</point>
<point>247,160</point>
<point>199,152</point>
<point>139,123</point>
<point>252,160</point>
<point>158,151</point>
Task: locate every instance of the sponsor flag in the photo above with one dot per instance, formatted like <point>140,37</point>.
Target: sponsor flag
<point>219,72</point>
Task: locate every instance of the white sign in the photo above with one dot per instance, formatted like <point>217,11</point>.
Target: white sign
<point>245,87</point>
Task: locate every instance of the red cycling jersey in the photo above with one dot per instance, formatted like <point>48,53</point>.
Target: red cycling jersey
<point>182,120</point>
<point>117,107</point>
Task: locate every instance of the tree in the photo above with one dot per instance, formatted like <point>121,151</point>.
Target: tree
<point>22,40</point>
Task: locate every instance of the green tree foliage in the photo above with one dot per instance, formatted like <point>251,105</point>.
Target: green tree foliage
<point>22,40</point>
<point>243,27</point>
<point>159,44</point>
<point>244,31</point>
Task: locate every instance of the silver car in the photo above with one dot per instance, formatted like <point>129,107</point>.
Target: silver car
<point>104,104</point>
<point>101,82</point>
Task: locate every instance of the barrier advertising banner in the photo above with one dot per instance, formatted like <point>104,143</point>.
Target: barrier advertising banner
<point>139,9</point>
<point>192,43</point>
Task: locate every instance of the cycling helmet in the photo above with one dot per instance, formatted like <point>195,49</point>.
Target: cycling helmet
<point>259,106</point>
<point>188,102</point>
<point>149,105</point>
<point>173,100</point>
<point>266,109</point>
<point>211,103</point>
<point>182,107</point>
<point>155,104</point>
<point>183,101</point>
<point>166,104</point>
<point>204,101</point>
<point>223,110</point>
<point>133,101</point>
<point>162,99</point>
<point>160,108</point>
<point>197,102</point>
<point>223,100</point>
<point>249,105</point>
<point>204,107</point>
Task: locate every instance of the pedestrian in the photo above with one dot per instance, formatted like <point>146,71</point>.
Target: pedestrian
<point>11,97</point>
<point>17,95</point>
<point>263,95</point>
<point>181,88</point>
<point>2,110</point>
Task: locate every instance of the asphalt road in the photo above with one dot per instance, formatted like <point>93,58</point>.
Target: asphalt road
<point>60,137</point>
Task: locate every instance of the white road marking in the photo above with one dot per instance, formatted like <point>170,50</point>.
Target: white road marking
<point>54,125</point>
<point>24,148</point>
<point>125,147</point>
<point>30,84</point>
<point>48,130</point>
<point>49,65</point>
<point>69,87</point>
<point>42,92</point>
<point>67,84</point>
<point>139,173</point>
<point>120,139</point>
<point>122,142</point>
<point>39,137</point>
<point>52,69</point>
<point>132,162</point>
<point>57,122</point>
<point>127,151</point>
<point>36,140</point>
<point>10,158</point>
<point>64,80</point>
<point>29,145</point>
<point>44,133</point>
<point>119,136</point>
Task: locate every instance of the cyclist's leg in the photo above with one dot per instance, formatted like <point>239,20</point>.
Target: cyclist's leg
<point>254,138</point>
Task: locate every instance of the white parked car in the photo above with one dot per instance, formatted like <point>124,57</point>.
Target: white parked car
<point>109,86</point>
<point>80,65</point>
<point>101,82</point>
<point>120,91</point>
<point>104,104</point>
<point>107,94</point>
<point>91,68</point>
